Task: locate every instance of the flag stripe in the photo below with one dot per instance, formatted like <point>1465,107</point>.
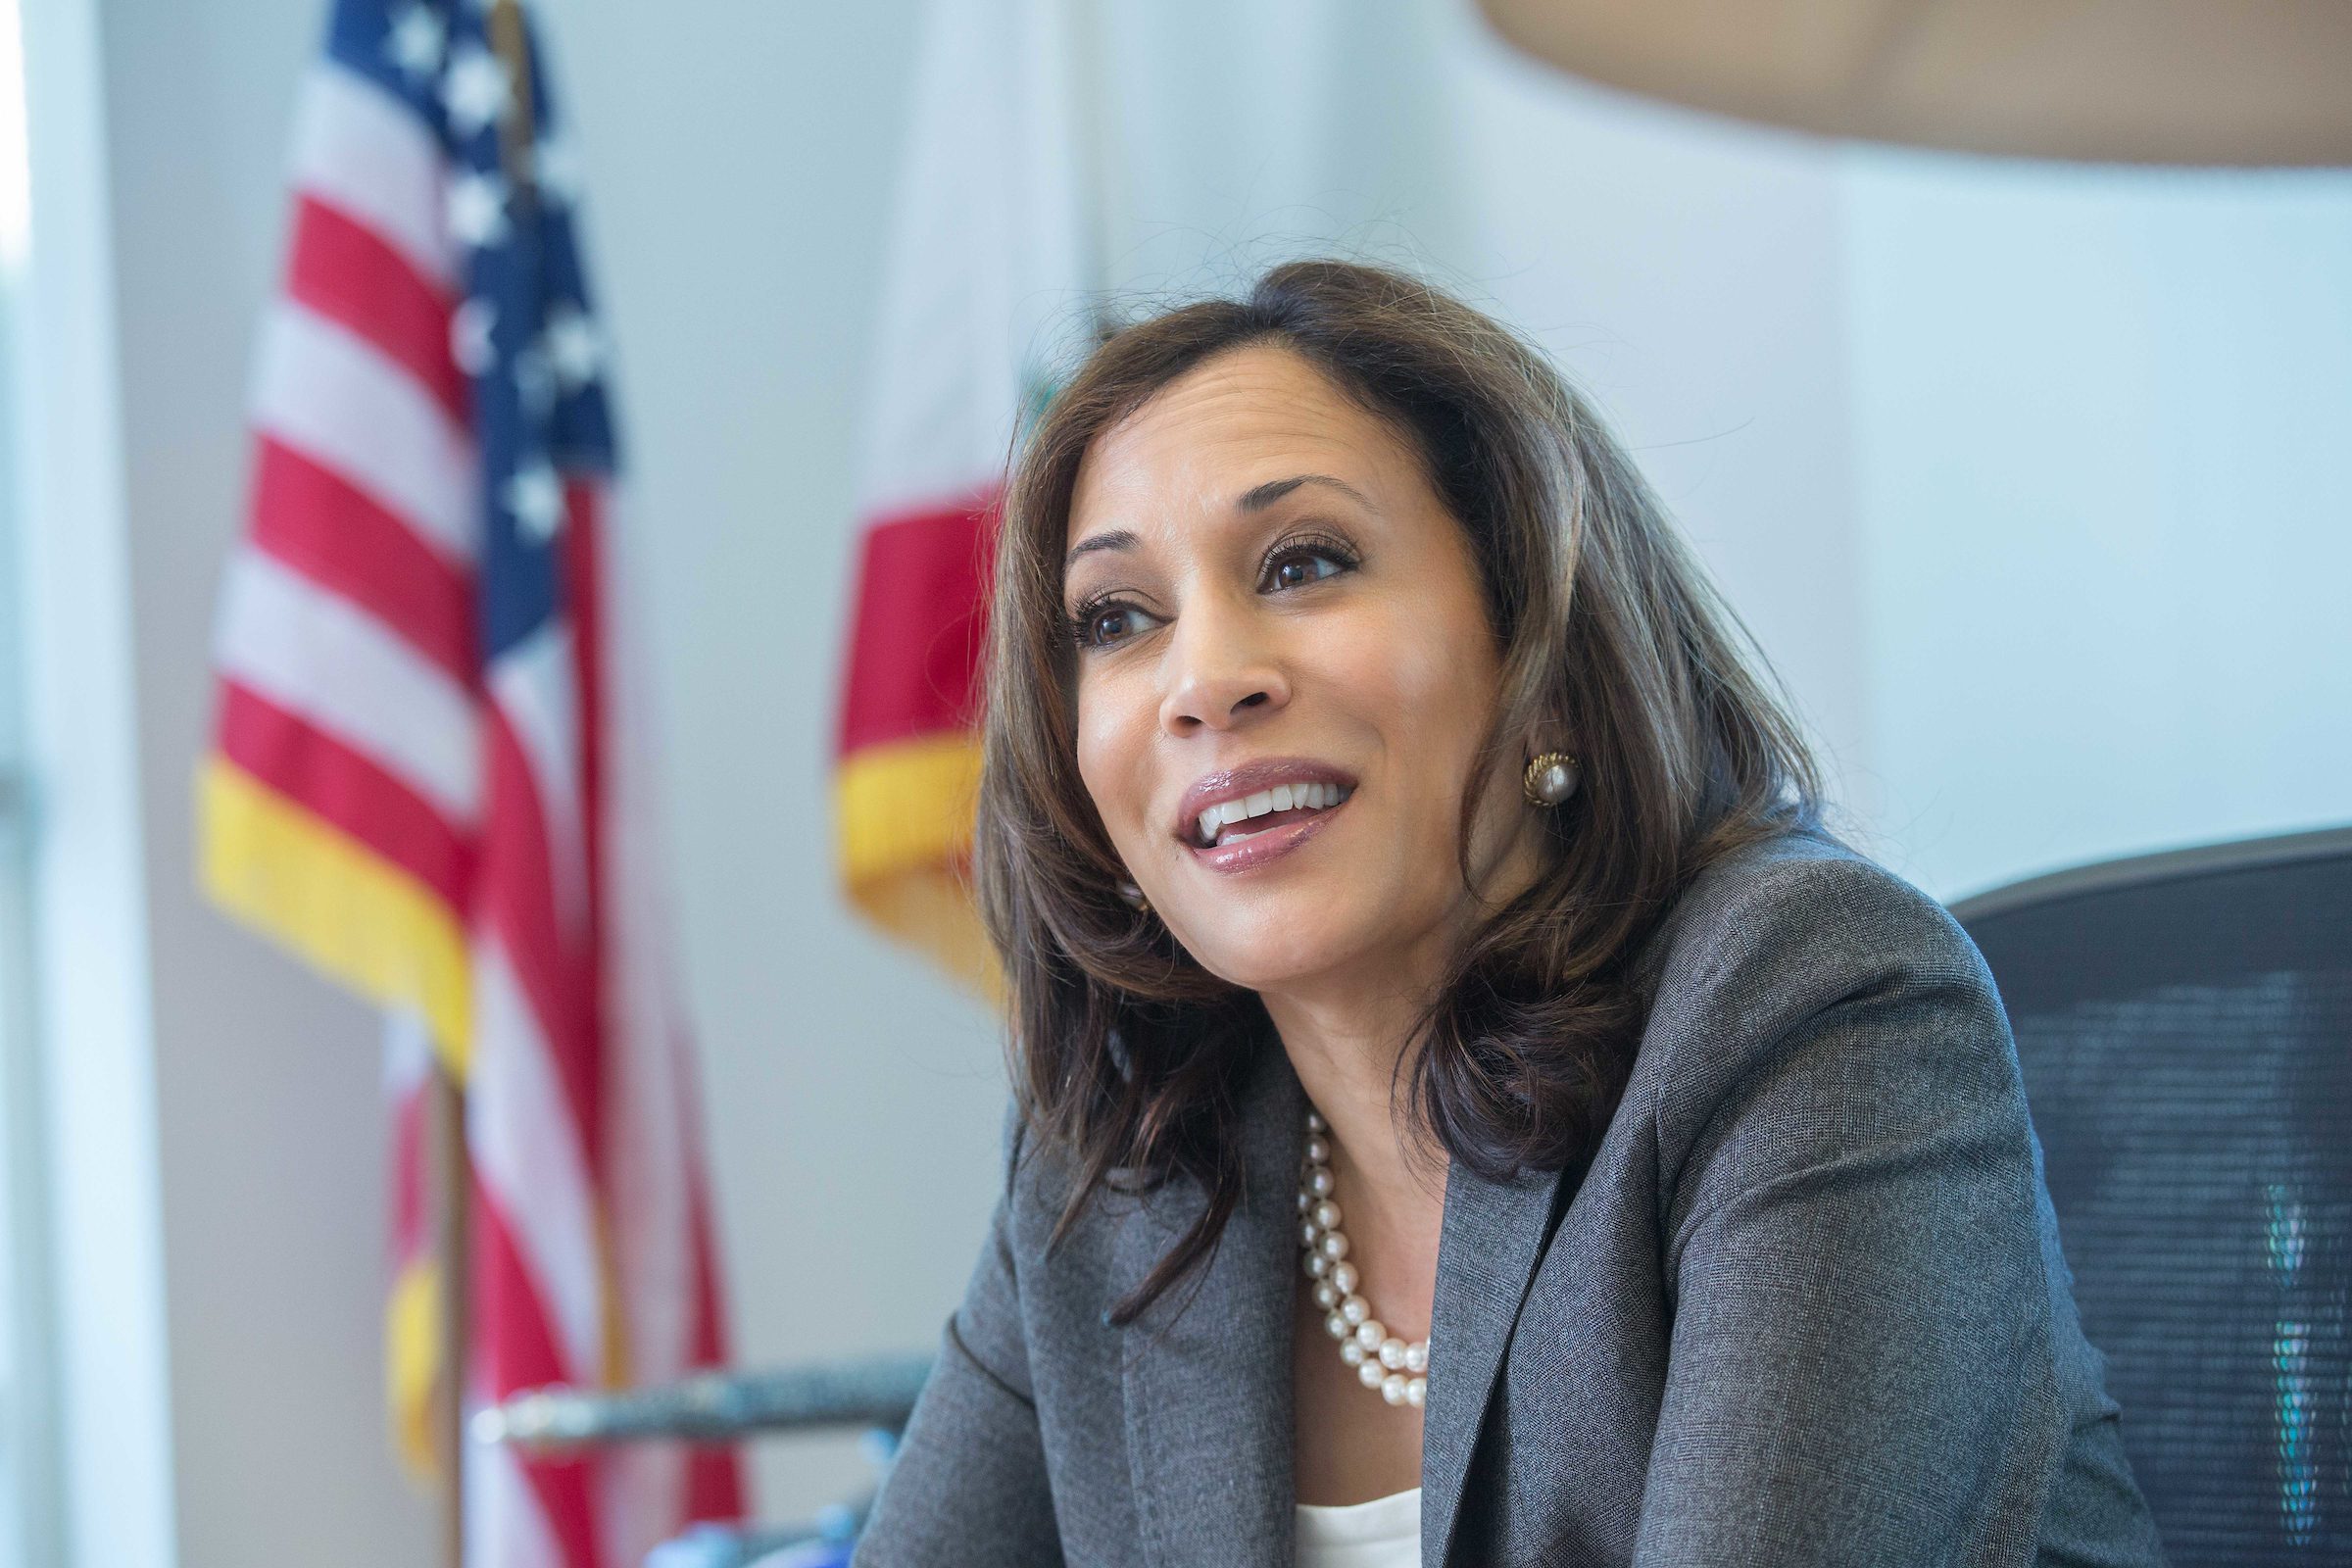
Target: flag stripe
<point>526,1148</point>
<point>364,152</point>
<point>920,624</point>
<point>513,885</point>
<point>348,274</point>
<point>584,546</point>
<point>341,539</point>
<point>532,684</point>
<point>505,1522</point>
<point>278,866</point>
<point>318,655</point>
<point>517,1351</point>
<point>345,790</point>
<point>341,399</point>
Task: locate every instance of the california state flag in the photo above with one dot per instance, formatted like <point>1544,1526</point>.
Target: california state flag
<point>987,292</point>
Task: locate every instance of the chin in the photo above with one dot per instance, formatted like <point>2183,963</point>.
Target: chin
<point>1263,956</point>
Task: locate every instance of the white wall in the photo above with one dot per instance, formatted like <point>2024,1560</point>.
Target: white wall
<point>1932,425</point>
<point>82,1090</point>
<point>267,1125</point>
<point>2105,484</point>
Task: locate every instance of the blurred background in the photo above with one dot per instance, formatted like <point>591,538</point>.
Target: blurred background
<point>2033,478</point>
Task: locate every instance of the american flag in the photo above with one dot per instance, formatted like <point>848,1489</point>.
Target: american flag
<point>429,769</point>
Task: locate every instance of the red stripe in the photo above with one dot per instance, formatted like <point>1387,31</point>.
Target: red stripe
<point>583,546</point>
<point>308,517</point>
<point>713,1475</point>
<point>517,1351</point>
<point>340,268</point>
<point>518,892</point>
<point>339,786</point>
<point>922,623</point>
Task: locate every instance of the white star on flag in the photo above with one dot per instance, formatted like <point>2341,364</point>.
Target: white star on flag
<point>477,207</point>
<point>417,40</point>
<point>477,90</point>
<point>573,345</point>
<point>536,498</point>
<point>469,328</point>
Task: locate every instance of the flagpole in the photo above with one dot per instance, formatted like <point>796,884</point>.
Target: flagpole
<point>450,1193</point>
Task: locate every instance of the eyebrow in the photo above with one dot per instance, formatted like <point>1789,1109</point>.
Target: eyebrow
<point>1256,499</point>
<point>1273,490</point>
<point>1113,539</point>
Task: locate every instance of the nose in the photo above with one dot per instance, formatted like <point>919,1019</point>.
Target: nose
<point>1222,670</point>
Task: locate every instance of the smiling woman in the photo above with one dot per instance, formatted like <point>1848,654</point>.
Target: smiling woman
<point>1429,975</point>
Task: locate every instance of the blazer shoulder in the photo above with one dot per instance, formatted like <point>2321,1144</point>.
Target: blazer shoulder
<point>1802,916</point>
<point>1780,931</point>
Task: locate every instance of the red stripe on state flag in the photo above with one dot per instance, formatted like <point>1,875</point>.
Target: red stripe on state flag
<point>309,517</point>
<point>517,889</point>
<point>344,788</point>
<point>516,1352</point>
<point>920,624</point>
<point>345,271</point>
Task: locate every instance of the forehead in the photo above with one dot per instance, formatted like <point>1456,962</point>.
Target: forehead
<point>1242,417</point>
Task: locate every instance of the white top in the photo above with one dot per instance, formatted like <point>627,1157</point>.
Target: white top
<point>1385,1532</point>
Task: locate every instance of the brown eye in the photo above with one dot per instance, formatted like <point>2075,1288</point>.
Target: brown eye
<point>1295,569</point>
<point>1100,626</point>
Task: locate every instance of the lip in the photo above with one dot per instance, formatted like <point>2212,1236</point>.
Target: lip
<point>1267,843</point>
<point>1237,783</point>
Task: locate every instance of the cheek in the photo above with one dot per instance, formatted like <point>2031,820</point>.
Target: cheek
<point>1430,694</point>
<point>1431,698</point>
<point>1111,756</point>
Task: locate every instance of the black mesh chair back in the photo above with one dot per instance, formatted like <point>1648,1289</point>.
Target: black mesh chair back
<point>2184,1026</point>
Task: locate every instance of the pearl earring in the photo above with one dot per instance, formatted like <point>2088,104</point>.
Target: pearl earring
<point>1550,779</point>
<point>1135,897</point>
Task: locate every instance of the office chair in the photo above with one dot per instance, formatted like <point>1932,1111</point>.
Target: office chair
<point>2183,1023</point>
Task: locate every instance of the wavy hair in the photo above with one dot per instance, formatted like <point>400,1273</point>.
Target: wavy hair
<point>1126,1052</point>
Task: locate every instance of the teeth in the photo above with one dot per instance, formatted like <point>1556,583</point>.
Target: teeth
<point>1280,798</point>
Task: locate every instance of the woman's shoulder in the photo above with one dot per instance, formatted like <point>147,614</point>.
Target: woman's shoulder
<point>1798,913</point>
<point>1770,942</point>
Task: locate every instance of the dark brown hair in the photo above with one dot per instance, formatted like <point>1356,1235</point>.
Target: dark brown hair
<point>1127,1053</point>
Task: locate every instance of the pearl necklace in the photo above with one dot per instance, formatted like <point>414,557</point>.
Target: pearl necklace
<point>1383,1361</point>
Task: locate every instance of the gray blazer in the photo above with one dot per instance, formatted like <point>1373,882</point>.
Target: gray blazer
<point>1804,1305</point>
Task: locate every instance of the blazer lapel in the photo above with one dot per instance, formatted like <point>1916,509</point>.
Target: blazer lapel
<point>1206,1369</point>
<point>1494,1235</point>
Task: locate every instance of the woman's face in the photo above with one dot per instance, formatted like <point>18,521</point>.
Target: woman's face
<point>1274,609</point>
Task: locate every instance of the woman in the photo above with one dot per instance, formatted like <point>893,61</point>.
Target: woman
<point>1469,1108</point>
